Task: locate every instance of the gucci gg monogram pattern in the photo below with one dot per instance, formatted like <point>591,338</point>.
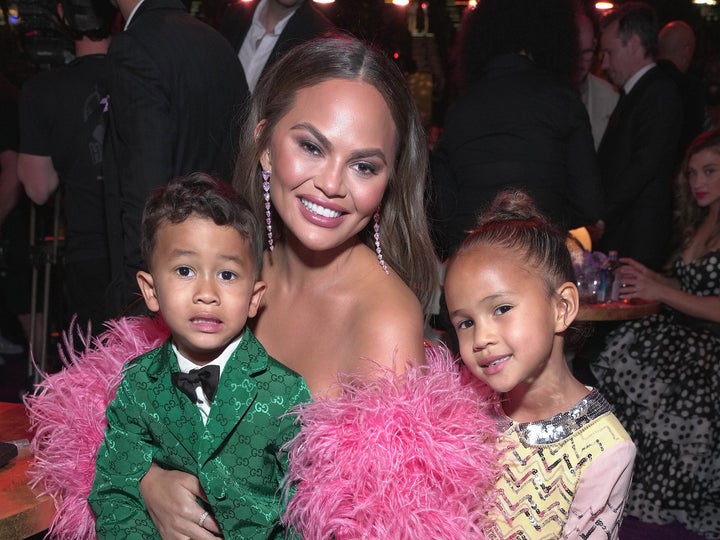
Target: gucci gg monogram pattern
<point>237,456</point>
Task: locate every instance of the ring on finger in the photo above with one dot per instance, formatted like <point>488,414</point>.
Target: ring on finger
<point>202,519</point>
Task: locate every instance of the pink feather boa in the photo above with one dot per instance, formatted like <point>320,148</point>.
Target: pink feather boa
<point>67,415</point>
<point>403,457</point>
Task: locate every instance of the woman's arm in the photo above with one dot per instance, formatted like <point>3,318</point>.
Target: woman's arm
<point>170,499</point>
<point>641,282</point>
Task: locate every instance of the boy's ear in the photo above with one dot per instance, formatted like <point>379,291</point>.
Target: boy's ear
<point>258,291</point>
<point>568,303</point>
<point>147,287</point>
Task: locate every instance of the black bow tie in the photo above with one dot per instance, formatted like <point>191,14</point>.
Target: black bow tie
<point>207,377</point>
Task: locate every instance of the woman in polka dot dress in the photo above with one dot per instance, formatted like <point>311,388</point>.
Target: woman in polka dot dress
<point>662,372</point>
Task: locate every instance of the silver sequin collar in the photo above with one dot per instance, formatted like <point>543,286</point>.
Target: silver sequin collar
<point>562,425</point>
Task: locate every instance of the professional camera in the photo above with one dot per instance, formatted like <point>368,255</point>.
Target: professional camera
<point>41,33</point>
<point>48,38</point>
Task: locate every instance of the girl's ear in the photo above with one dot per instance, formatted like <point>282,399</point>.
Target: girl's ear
<point>567,305</point>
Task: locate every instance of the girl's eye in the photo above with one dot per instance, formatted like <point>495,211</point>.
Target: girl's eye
<point>500,310</point>
<point>184,271</point>
<point>227,275</point>
<point>464,325</point>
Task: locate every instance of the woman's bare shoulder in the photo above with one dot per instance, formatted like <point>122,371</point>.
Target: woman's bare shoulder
<point>389,323</point>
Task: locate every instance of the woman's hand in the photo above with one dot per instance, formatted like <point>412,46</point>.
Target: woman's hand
<point>638,281</point>
<point>170,497</point>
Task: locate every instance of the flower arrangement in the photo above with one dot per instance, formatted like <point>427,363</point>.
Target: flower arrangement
<point>588,267</point>
<point>589,262</point>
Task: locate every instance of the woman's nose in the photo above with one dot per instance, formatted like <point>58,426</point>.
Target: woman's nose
<point>330,181</point>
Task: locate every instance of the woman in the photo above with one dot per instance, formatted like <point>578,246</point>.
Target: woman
<point>334,160</point>
<point>661,372</point>
<point>336,131</point>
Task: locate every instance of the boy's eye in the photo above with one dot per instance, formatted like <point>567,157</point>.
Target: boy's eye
<point>184,271</point>
<point>227,275</point>
<point>500,310</point>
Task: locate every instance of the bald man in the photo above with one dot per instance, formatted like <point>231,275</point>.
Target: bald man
<point>676,42</point>
<point>676,46</point>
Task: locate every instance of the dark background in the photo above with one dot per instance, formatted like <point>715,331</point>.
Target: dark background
<point>29,40</point>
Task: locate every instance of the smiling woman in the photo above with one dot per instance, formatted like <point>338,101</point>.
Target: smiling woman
<point>335,131</point>
<point>329,161</point>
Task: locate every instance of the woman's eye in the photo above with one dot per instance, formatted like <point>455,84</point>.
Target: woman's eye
<point>227,275</point>
<point>185,271</point>
<point>500,310</point>
<point>366,169</point>
<point>311,148</point>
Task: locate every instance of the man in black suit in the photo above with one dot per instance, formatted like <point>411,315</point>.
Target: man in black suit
<point>175,88</point>
<point>262,31</point>
<point>638,150</point>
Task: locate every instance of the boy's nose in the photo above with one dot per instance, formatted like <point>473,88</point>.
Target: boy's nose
<point>206,292</point>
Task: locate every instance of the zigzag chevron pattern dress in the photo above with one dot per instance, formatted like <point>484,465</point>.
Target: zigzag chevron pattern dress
<point>565,477</point>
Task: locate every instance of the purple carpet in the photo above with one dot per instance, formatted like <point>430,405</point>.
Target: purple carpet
<point>634,529</point>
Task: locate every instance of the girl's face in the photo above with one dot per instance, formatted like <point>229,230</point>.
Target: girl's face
<point>704,177</point>
<point>331,157</point>
<point>505,322</point>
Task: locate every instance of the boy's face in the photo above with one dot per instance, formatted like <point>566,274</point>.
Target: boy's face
<point>201,280</point>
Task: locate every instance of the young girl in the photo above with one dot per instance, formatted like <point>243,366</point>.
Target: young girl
<point>511,297</point>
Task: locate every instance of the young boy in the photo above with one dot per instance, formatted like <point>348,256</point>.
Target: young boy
<point>210,401</point>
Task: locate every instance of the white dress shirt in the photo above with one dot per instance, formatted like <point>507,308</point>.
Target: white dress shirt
<point>186,365</point>
<point>258,44</point>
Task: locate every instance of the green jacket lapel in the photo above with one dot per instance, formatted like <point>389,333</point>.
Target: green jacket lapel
<point>169,397</point>
<point>236,393</point>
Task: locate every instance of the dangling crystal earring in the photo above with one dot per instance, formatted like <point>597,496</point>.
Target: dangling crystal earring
<point>266,196</point>
<point>378,249</point>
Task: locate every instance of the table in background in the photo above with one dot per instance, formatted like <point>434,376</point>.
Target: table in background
<point>617,311</point>
<point>22,513</point>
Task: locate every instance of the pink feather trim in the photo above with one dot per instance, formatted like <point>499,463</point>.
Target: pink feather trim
<point>67,415</point>
<point>404,457</point>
